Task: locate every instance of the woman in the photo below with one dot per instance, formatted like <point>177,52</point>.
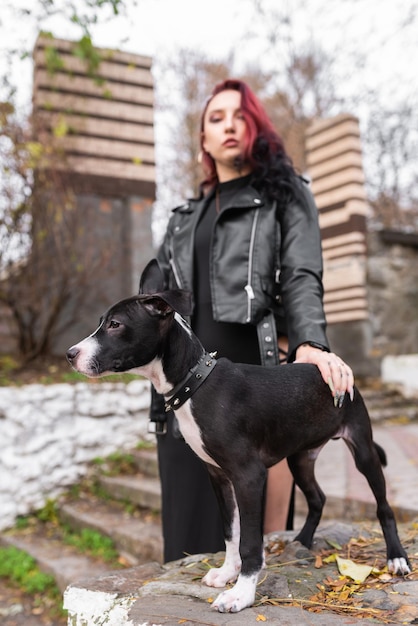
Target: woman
<point>249,249</point>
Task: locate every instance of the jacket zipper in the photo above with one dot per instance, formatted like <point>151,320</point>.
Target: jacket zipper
<point>176,274</point>
<point>248,287</point>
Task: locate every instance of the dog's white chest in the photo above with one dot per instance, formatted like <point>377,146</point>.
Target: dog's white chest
<point>191,432</point>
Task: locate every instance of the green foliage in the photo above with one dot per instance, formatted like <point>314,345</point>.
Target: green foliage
<point>22,522</point>
<point>54,61</point>
<point>49,512</point>
<point>145,445</point>
<point>94,543</point>
<point>62,128</point>
<point>20,568</point>
<point>85,50</point>
<point>15,373</point>
<point>116,463</point>
<point>7,364</point>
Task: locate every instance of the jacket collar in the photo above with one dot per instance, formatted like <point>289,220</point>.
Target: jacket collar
<point>246,198</point>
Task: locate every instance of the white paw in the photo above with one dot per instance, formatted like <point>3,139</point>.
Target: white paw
<point>239,597</point>
<point>399,566</point>
<point>221,576</point>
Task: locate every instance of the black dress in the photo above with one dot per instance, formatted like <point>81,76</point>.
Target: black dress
<point>191,519</point>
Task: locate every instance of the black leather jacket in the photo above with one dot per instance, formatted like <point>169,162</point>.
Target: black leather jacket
<point>266,265</point>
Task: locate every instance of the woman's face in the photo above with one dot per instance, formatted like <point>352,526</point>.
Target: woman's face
<point>224,134</point>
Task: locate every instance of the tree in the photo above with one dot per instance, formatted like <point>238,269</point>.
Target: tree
<point>392,136</point>
<point>46,258</point>
<point>183,83</point>
<point>312,78</point>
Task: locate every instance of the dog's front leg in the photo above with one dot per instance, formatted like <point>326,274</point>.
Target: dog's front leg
<point>228,572</point>
<point>249,487</point>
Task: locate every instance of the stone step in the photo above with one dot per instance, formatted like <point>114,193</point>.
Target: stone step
<point>401,412</point>
<point>53,557</point>
<point>137,538</point>
<point>136,535</point>
<point>139,490</point>
<point>386,403</point>
<point>146,461</point>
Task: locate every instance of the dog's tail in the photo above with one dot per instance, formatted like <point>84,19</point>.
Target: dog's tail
<point>381,453</point>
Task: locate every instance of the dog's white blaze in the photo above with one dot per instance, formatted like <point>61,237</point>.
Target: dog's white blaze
<point>191,432</point>
<point>88,349</point>
<point>154,372</point>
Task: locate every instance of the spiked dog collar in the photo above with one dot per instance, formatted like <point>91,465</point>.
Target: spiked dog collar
<point>197,375</point>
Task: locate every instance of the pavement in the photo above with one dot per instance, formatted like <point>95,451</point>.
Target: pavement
<point>347,491</point>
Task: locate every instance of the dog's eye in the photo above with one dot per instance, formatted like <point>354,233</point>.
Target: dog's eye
<point>114,324</point>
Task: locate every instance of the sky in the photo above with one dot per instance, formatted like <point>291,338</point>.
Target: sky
<point>158,27</point>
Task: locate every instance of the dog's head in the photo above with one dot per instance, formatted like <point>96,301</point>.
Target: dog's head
<point>131,333</point>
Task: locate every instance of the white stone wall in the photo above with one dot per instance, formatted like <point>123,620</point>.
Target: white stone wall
<point>402,371</point>
<point>48,434</point>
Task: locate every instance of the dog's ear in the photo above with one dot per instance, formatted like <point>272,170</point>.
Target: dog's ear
<point>152,279</point>
<point>156,306</point>
<point>152,283</point>
<point>162,304</point>
<point>179,300</point>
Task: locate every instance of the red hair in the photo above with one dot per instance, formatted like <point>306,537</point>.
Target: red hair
<point>259,127</point>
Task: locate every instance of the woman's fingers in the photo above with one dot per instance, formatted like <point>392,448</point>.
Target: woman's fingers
<point>335,372</point>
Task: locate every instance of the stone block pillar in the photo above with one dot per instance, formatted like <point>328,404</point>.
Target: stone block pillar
<point>335,167</point>
<point>100,121</point>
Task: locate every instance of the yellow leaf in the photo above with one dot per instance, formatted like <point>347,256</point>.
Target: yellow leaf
<point>261,618</point>
<point>61,129</point>
<point>331,558</point>
<point>344,595</point>
<point>355,571</point>
<point>334,544</point>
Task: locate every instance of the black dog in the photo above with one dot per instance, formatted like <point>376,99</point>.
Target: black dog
<point>240,419</point>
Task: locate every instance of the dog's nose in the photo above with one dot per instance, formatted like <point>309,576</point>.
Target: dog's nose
<point>72,353</point>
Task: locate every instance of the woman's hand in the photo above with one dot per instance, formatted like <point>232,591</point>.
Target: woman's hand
<point>337,374</point>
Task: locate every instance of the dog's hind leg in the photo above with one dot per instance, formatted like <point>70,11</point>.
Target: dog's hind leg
<point>220,576</point>
<point>302,467</point>
<point>368,457</point>
<point>249,486</point>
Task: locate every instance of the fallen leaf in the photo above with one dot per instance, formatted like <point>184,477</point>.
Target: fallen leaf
<point>318,562</point>
<point>261,618</point>
<point>331,558</point>
<point>406,613</point>
<point>355,571</point>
